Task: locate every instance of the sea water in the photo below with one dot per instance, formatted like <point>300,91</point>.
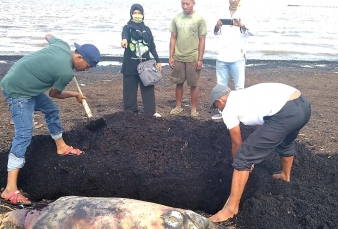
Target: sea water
<point>306,31</point>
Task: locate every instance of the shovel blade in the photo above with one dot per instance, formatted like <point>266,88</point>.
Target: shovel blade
<point>94,125</point>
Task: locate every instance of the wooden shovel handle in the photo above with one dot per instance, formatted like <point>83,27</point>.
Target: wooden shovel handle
<point>84,102</point>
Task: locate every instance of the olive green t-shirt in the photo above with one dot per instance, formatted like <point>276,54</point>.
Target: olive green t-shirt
<point>37,72</point>
<point>188,28</point>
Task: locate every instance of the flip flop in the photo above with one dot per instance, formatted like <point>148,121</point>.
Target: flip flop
<point>37,125</point>
<point>194,113</point>
<point>176,111</point>
<point>68,152</point>
<point>15,199</point>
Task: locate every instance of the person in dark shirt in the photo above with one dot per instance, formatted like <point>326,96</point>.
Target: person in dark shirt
<point>135,33</point>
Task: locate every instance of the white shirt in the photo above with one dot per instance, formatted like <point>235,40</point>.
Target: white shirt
<point>250,105</point>
<point>231,42</point>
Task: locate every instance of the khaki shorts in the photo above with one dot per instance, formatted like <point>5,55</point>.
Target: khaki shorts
<point>185,71</point>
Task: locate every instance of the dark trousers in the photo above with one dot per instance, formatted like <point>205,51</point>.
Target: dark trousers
<point>277,134</point>
<point>130,87</point>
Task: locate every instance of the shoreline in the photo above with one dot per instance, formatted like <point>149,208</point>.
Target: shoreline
<point>112,64</point>
<point>207,61</point>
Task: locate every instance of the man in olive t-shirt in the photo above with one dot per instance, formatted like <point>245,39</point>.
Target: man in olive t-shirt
<point>24,87</point>
<point>187,44</point>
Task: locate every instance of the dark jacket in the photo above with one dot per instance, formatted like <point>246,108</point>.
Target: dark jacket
<point>142,36</point>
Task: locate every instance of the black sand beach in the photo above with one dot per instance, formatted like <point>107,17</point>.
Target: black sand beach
<point>182,161</point>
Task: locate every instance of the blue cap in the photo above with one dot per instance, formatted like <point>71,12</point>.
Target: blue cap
<point>89,52</point>
<point>217,92</point>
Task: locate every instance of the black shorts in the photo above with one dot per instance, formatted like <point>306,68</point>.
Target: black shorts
<point>277,133</point>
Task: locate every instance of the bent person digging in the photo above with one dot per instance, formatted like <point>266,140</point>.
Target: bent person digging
<point>24,88</point>
<point>279,110</point>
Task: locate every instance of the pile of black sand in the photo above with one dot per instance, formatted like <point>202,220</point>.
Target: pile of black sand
<point>180,162</point>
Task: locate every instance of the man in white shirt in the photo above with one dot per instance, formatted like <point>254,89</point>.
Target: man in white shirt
<point>232,39</point>
<point>280,111</point>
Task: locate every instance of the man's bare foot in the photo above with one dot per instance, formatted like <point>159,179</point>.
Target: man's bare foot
<point>281,176</point>
<point>63,149</point>
<point>223,215</point>
<point>15,194</point>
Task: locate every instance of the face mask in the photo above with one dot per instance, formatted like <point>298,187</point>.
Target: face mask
<point>137,18</point>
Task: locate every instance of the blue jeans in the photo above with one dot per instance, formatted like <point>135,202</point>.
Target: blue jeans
<point>22,112</point>
<point>235,69</point>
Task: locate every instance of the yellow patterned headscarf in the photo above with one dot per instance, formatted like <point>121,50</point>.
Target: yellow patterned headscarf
<point>239,4</point>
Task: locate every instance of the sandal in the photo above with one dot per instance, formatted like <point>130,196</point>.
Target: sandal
<point>14,199</point>
<point>176,111</point>
<point>69,153</point>
<point>194,113</point>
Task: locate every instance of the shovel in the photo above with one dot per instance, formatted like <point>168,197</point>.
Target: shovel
<point>93,124</point>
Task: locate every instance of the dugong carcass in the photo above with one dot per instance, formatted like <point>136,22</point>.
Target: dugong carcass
<point>74,212</point>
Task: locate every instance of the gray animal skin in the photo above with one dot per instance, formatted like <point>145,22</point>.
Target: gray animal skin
<point>74,212</point>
